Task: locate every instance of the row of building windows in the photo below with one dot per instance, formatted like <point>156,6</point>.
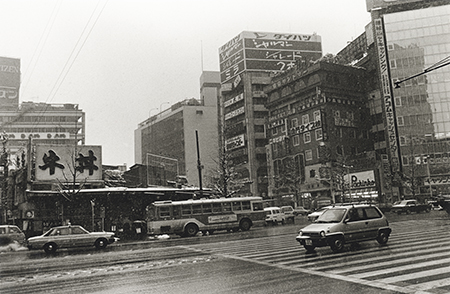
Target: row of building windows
<point>35,119</point>
<point>38,130</point>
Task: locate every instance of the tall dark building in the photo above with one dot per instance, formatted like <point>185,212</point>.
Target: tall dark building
<point>247,63</point>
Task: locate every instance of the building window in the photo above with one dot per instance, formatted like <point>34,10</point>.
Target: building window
<point>402,141</point>
<point>405,160</point>
<point>398,101</point>
<point>393,64</point>
<point>307,137</point>
<point>317,115</point>
<point>305,119</point>
<point>274,147</point>
<point>318,134</point>
<point>296,140</point>
<point>337,113</point>
<point>400,120</point>
<point>308,155</point>
<point>353,134</point>
<point>274,131</point>
<point>294,122</point>
<point>312,173</point>
<point>199,112</point>
<point>283,129</point>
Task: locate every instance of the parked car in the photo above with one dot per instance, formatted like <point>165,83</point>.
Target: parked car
<point>408,206</point>
<point>345,224</point>
<point>274,216</point>
<point>11,234</point>
<point>315,214</point>
<point>70,236</point>
<point>300,210</point>
<point>288,213</point>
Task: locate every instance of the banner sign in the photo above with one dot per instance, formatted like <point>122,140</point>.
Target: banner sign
<point>387,97</point>
<point>234,142</point>
<point>9,82</point>
<point>61,162</point>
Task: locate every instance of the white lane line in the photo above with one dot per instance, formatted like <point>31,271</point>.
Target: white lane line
<point>401,268</point>
<point>369,262</point>
<point>422,274</point>
<point>430,285</point>
<point>351,279</point>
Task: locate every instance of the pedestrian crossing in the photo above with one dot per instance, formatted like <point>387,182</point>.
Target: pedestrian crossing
<point>415,260</point>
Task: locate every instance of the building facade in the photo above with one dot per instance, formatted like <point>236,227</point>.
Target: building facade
<point>247,63</point>
<point>166,142</point>
<point>412,49</point>
<point>319,135</point>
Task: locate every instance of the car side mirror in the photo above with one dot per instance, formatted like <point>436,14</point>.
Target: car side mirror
<point>346,220</point>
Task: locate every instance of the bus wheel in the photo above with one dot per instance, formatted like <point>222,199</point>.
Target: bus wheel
<point>245,225</point>
<point>190,230</point>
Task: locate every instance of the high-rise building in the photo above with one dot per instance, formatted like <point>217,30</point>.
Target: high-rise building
<point>411,41</point>
<point>165,144</point>
<point>247,63</point>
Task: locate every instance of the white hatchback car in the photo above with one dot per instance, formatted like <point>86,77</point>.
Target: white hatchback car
<point>274,215</point>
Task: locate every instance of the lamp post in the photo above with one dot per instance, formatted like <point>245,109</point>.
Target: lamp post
<point>348,167</point>
<point>160,106</point>
<point>429,176</point>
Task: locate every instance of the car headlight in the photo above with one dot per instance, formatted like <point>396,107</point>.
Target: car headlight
<point>300,233</point>
<point>322,233</point>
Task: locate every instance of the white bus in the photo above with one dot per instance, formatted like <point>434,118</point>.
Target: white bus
<point>186,218</point>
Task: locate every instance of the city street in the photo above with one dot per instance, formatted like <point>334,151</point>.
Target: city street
<point>263,260</point>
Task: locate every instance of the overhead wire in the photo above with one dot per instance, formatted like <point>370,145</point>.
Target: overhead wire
<point>40,46</point>
<point>62,75</point>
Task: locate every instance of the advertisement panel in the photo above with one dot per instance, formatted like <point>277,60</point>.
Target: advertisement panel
<point>387,96</point>
<point>61,162</point>
<point>9,82</point>
<point>364,179</point>
<point>235,142</point>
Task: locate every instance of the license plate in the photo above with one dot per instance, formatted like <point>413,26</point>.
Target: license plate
<point>308,242</point>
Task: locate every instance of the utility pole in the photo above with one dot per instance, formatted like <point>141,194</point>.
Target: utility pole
<point>4,163</point>
<point>199,165</point>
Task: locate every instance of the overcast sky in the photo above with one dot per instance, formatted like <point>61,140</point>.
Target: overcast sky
<point>120,60</point>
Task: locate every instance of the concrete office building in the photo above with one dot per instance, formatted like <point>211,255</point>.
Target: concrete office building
<point>247,63</point>
<point>165,143</point>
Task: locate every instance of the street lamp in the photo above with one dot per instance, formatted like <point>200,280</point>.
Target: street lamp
<point>348,167</point>
<point>160,106</point>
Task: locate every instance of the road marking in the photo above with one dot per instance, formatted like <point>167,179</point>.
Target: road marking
<point>417,275</point>
<point>392,270</point>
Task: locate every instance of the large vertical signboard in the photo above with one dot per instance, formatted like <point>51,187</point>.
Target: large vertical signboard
<point>261,51</point>
<point>387,96</point>
<point>9,82</point>
<point>62,162</point>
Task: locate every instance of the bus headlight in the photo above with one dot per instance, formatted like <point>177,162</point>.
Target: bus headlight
<point>322,234</point>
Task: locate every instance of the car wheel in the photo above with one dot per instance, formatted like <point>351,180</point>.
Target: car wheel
<point>101,243</point>
<point>245,225</point>
<point>50,248</point>
<point>190,230</point>
<point>275,223</point>
<point>309,248</point>
<point>427,210</point>
<point>337,244</point>
<point>283,222</point>
<point>382,238</point>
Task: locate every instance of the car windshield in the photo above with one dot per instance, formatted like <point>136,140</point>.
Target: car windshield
<point>334,215</point>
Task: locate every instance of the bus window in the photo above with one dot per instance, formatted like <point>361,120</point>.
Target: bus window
<point>226,206</point>
<point>176,211</point>
<point>151,212</point>
<point>237,205</point>
<point>164,211</point>
<point>197,209</point>
<point>207,208</point>
<point>245,205</point>
<point>185,209</point>
<point>257,206</point>
<point>217,207</point>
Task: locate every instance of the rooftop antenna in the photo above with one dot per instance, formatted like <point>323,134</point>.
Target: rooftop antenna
<point>201,53</point>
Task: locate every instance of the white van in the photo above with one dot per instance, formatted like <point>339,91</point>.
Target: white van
<point>274,216</point>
